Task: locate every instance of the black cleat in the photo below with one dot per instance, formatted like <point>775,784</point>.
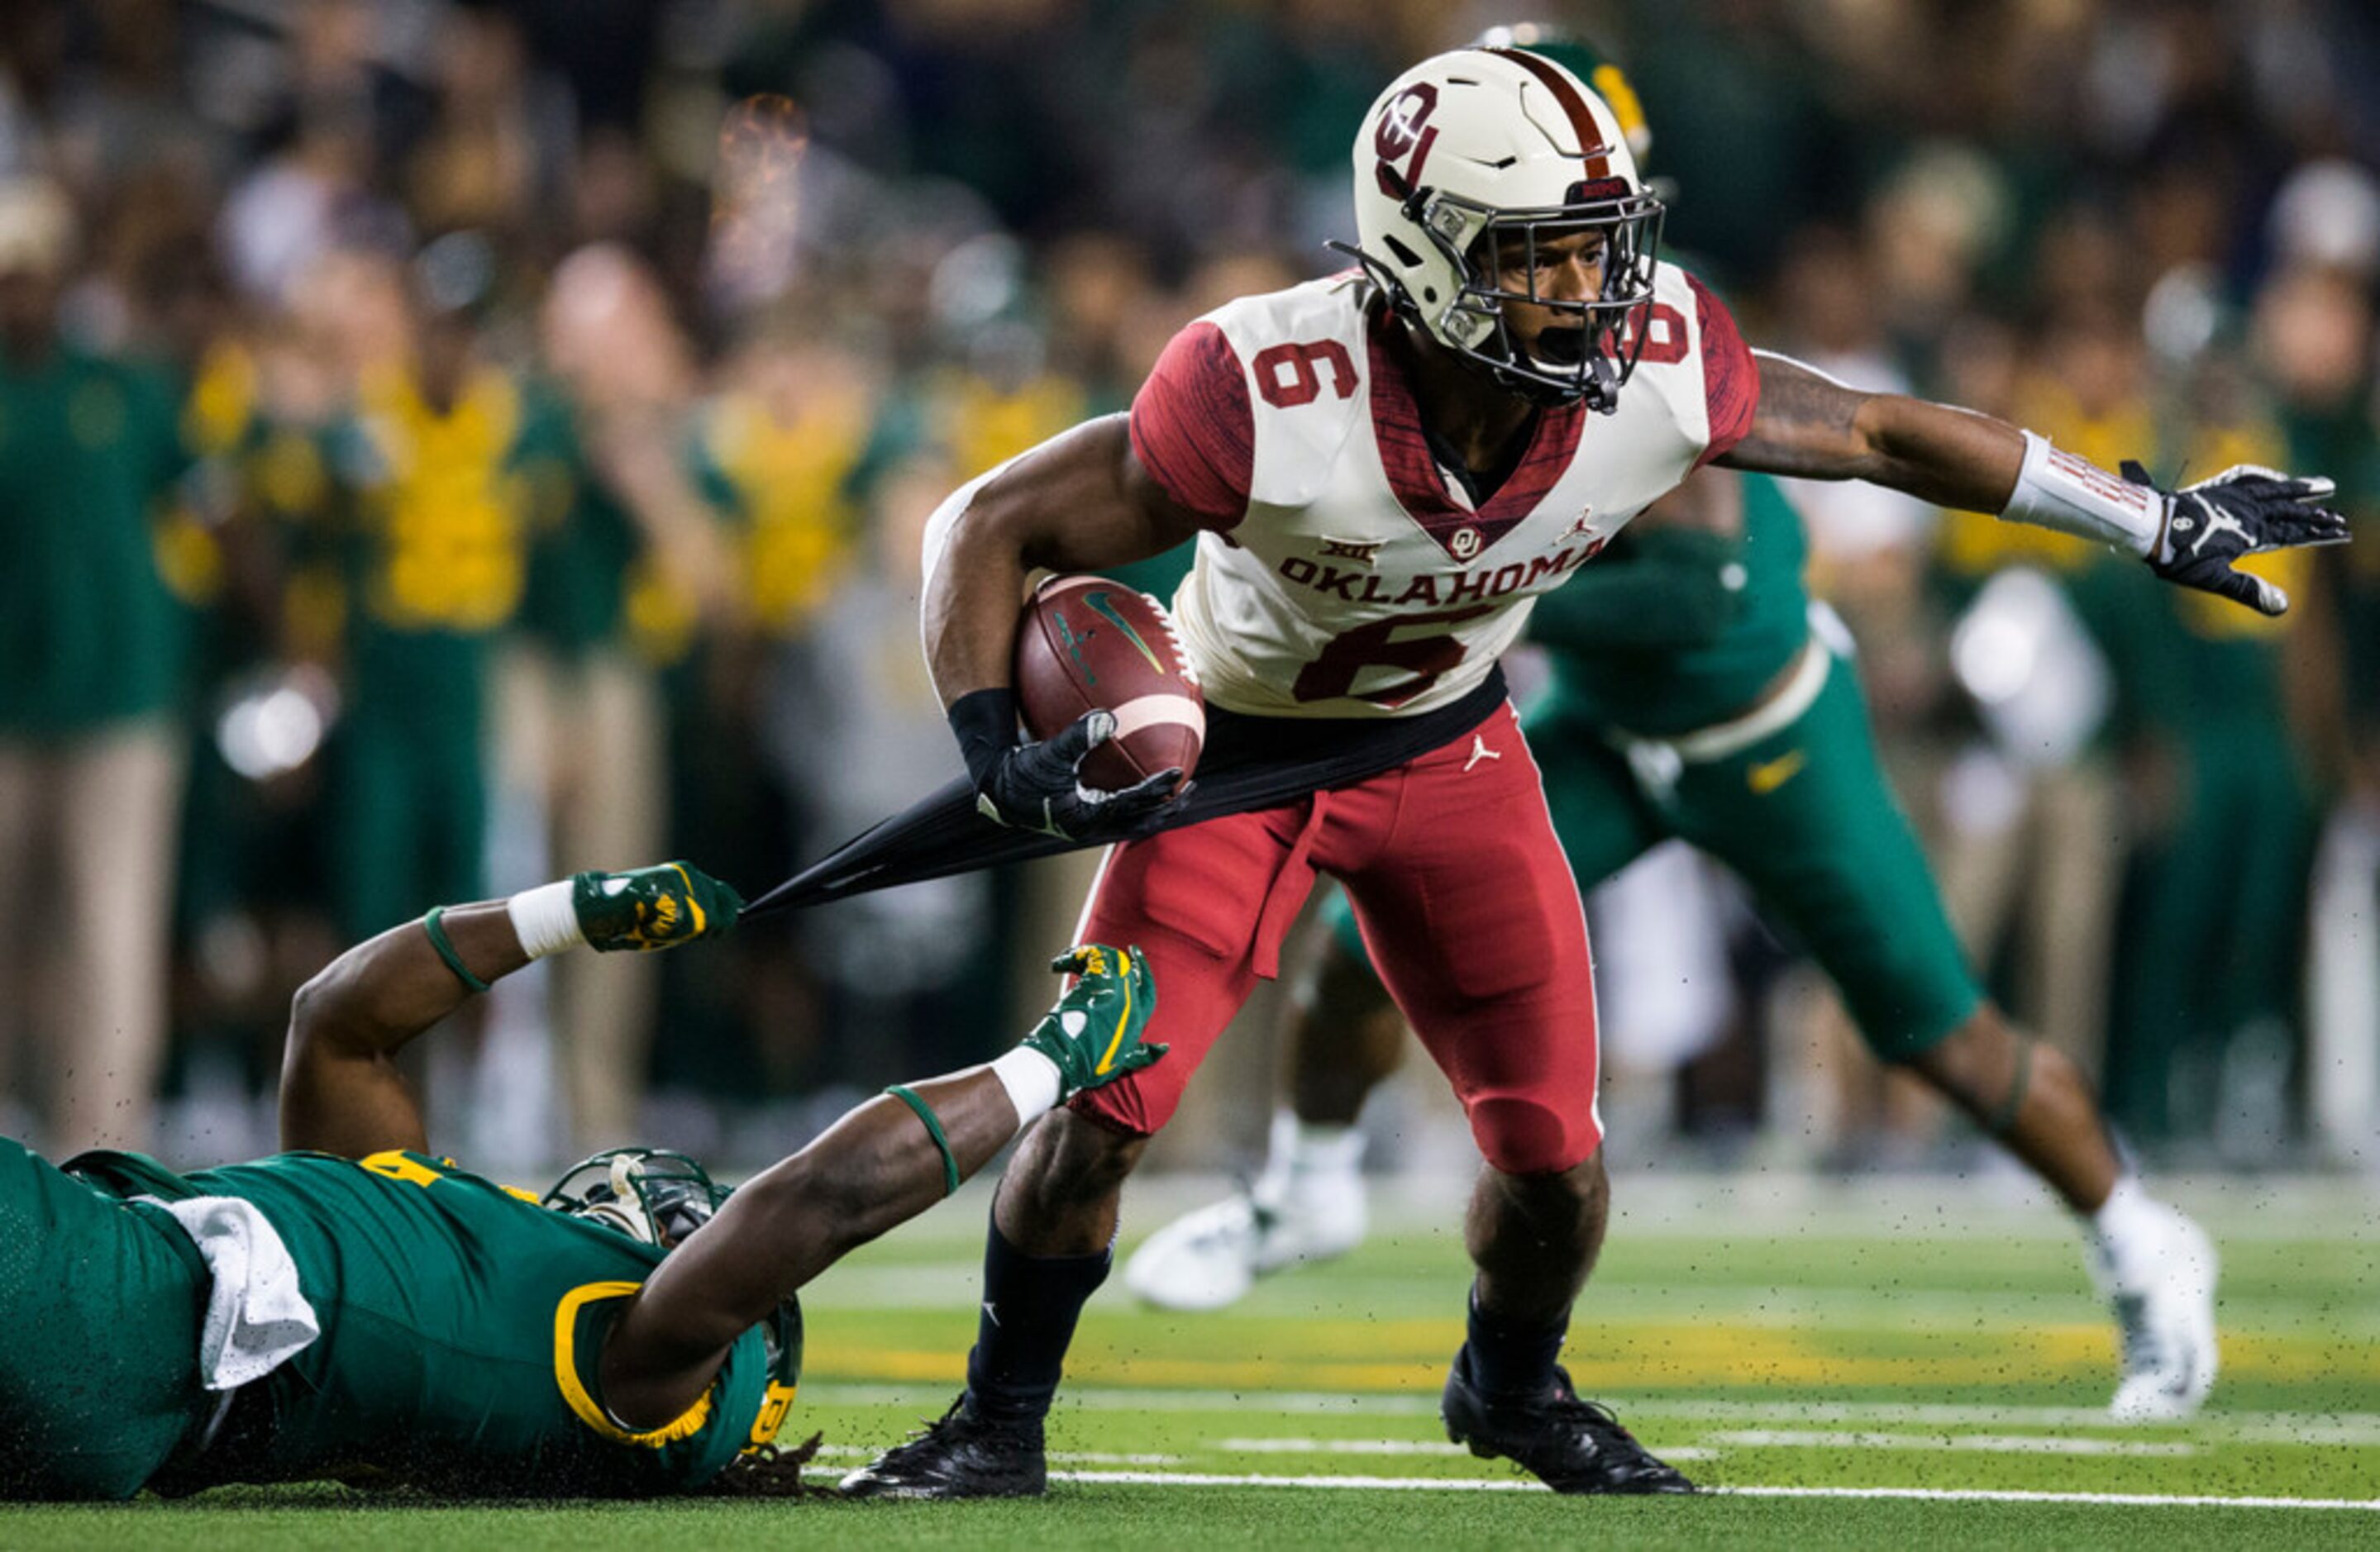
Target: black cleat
<point>963,1456</point>
<point>1574,1446</point>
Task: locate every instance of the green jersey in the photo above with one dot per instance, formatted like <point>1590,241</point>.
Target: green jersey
<point>423,540</point>
<point>88,448</point>
<point>461,1325</point>
<point>1664,693</point>
<point>586,550</point>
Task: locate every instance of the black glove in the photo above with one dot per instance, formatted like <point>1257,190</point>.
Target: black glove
<point>2243,511</point>
<point>1037,786</point>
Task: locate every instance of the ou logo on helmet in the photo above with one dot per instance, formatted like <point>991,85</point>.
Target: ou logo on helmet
<point>1404,135</point>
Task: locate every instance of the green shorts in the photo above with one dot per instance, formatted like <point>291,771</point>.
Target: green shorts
<point>101,1303</point>
<point>1805,818</point>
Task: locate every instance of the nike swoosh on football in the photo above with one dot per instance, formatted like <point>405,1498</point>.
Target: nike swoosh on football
<point>1098,602</point>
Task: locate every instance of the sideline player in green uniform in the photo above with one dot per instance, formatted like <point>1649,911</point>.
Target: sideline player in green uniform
<point>1691,699</point>
<point>427,529</point>
<point>357,1308</point>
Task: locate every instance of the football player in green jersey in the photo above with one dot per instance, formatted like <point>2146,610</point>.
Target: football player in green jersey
<point>1690,698</point>
<point>359,1308</point>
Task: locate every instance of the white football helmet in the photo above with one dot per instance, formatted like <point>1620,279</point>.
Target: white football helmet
<point>1487,143</point>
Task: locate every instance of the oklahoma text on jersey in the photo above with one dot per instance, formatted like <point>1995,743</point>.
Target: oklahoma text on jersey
<point>1347,575</point>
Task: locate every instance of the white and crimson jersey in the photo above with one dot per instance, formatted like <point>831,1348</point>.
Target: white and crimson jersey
<point>1344,573</point>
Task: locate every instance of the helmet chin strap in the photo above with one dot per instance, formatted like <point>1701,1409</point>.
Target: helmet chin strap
<point>1598,388</point>
<point>1383,280</point>
<point>1602,392</point>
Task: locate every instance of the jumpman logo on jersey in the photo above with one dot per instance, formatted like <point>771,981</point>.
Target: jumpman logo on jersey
<point>1479,751</point>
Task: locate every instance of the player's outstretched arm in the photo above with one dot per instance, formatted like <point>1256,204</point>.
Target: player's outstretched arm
<point>1807,424</point>
<point>340,1089</point>
<point>1079,502</point>
<point>879,1166</point>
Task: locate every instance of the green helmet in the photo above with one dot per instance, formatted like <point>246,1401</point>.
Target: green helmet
<point>657,1197</point>
<point>1593,65</point>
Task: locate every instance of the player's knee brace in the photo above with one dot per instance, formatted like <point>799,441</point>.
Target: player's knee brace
<point>1522,1137</point>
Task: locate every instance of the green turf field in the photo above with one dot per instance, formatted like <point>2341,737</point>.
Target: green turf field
<point>1864,1364</point>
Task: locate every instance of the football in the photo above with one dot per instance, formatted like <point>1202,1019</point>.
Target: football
<point>1088,644</point>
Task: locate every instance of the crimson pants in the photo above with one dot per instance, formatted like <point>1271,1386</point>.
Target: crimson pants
<point>1467,904</point>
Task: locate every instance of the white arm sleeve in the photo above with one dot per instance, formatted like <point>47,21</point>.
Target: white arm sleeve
<point>2072,495</point>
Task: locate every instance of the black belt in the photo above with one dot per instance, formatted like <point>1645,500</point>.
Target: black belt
<point>1248,763</point>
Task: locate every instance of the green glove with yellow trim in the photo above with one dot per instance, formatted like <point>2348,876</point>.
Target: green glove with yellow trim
<point>1093,1035</point>
<point>652,908</point>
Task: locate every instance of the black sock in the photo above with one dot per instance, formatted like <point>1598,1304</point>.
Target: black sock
<point>1030,1304</point>
<point>1509,1357</point>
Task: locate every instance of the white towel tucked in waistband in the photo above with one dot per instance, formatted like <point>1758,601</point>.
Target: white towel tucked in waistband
<point>257,1316</point>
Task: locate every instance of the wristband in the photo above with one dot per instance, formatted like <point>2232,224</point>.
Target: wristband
<point>934,1130</point>
<point>545,920</point>
<point>985,723</point>
<point>445,947</point>
<point>2072,495</point>
<point>1032,1083</point>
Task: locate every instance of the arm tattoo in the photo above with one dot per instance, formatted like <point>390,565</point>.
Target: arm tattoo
<point>1804,426</point>
<point>1809,425</point>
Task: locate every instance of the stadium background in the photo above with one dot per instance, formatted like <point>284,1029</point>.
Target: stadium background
<point>729,293</point>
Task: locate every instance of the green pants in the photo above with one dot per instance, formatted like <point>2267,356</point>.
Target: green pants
<point>101,1302</point>
<point>2212,940</point>
<point>1805,818</point>
<point>409,821</point>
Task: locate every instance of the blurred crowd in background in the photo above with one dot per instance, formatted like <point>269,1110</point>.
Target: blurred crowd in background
<point>448,445</point>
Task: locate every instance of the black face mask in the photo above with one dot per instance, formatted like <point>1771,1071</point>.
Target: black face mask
<point>1588,354</point>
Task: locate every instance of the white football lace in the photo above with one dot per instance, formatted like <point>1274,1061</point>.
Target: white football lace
<point>1182,663</point>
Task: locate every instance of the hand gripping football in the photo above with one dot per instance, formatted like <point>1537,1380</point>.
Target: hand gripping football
<point>1086,644</point>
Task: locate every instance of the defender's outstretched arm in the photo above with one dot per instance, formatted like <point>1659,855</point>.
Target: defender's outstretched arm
<point>1811,426</point>
<point>879,1166</point>
<point>340,1089</point>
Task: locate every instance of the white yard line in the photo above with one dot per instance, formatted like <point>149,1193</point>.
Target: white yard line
<point>1335,1446</point>
<point>2259,1428</point>
<point>1386,1447</point>
<point>1998,1444</point>
<point>1510,1484</point>
<point>1997,1495</point>
<point>1752,1438</point>
<point>1068,1457</point>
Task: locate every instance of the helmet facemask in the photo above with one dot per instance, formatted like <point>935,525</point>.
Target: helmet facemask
<point>653,1195</point>
<point>658,1197</point>
<point>1592,347</point>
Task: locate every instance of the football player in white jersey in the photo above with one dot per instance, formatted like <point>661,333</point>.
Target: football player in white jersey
<point>1688,695</point>
<point>1381,470</point>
